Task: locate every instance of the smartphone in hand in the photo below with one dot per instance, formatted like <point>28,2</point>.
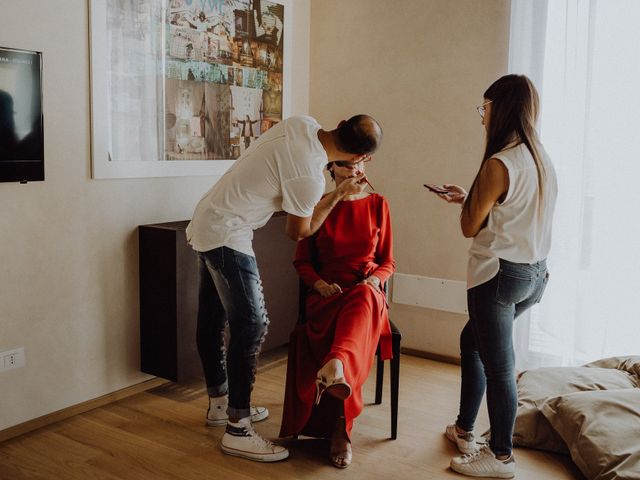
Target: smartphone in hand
<point>436,188</point>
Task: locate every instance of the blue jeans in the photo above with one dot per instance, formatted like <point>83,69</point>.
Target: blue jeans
<point>486,345</point>
<point>230,292</point>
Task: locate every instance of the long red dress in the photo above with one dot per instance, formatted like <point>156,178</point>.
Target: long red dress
<point>354,242</point>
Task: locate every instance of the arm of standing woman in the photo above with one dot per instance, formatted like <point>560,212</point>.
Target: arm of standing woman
<point>491,187</point>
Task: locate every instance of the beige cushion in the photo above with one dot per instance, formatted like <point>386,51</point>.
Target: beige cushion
<point>601,429</point>
<point>628,364</point>
<point>536,386</point>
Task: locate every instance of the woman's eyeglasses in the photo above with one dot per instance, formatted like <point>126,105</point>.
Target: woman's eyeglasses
<point>348,164</point>
<point>482,109</point>
<point>344,163</point>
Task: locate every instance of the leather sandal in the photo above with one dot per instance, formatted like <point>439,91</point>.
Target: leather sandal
<point>330,378</point>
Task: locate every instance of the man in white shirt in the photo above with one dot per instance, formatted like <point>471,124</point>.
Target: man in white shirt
<point>282,170</point>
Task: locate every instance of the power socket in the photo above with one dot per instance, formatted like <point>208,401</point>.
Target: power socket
<point>12,359</point>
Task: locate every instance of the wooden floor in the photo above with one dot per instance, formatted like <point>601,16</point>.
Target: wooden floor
<point>160,434</point>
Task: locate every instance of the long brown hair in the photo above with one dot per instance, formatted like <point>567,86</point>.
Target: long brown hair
<point>514,112</point>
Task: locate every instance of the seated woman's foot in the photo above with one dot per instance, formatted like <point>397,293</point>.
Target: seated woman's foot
<point>330,378</point>
<point>340,451</point>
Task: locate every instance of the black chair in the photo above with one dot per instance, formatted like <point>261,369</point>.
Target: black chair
<point>396,338</point>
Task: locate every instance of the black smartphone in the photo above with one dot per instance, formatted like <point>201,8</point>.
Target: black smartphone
<point>436,188</point>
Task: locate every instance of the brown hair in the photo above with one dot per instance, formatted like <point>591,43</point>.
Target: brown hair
<point>514,112</point>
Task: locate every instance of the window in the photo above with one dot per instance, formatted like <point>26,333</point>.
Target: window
<point>583,57</point>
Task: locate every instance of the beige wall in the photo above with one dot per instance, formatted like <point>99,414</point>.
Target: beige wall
<point>420,67</point>
<point>68,245</point>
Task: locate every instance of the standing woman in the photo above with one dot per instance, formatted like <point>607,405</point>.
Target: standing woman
<point>508,212</point>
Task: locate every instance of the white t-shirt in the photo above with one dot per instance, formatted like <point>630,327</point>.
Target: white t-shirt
<point>282,170</point>
<point>519,228</point>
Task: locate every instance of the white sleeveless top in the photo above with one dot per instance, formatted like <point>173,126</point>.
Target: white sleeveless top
<point>519,228</point>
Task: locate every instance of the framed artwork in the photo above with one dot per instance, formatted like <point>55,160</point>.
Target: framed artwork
<point>21,121</point>
<point>184,87</point>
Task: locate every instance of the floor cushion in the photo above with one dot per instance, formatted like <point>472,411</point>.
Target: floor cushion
<point>601,429</point>
<point>536,386</point>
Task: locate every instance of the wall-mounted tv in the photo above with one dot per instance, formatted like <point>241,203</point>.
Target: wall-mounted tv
<point>21,129</point>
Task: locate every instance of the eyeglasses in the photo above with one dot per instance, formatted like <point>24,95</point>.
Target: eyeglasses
<point>349,164</point>
<point>345,164</point>
<point>482,109</point>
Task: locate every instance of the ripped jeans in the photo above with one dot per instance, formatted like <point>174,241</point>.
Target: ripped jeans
<point>230,291</point>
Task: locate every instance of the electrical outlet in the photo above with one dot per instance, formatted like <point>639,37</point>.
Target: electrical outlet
<point>12,359</point>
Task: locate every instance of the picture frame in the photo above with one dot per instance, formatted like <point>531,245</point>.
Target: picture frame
<point>184,132</point>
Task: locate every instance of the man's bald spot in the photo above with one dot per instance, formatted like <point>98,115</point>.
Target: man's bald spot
<point>371,127</point>
<point>361,134</point>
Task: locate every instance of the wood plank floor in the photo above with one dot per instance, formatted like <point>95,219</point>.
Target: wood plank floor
<point>160,434</point>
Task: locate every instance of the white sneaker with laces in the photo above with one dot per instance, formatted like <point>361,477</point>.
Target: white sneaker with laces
<point>483,463</point>
<point>241,440</point>
<point>217,412</point>
<point>466,442</point>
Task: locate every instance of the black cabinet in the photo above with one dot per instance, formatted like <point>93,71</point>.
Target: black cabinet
<point>169,295</point>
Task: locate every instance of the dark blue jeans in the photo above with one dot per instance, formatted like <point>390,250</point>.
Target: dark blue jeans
<point>230,292</point>
<point>486,345</point>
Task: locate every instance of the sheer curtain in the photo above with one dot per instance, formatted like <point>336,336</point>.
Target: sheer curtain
<point>583,56</point>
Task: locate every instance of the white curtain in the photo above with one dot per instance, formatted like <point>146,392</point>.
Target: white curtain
<point>584,56</point>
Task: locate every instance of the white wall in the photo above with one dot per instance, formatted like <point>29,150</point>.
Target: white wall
<point>420,67</point>
<point>68,245</point>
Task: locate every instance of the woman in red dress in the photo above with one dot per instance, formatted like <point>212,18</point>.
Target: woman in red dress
<point>344,265</point>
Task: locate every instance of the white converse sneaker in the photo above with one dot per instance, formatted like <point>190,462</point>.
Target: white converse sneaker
<point>466,442</point>
<point>483,463</point>
<point>217,412</point>
<point>241,440</point>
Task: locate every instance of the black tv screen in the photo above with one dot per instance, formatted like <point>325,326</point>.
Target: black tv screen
<point>21,129</point>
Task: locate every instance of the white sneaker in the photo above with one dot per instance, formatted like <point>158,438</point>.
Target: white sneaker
<point>217,412</point>
<point>241,440</point>
<point>483,463</point>
<point>466,442</point>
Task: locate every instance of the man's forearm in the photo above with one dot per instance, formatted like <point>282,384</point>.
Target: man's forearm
<point>322,210</point>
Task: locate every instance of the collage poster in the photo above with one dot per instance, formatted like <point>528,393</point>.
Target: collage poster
<point>223,76</point>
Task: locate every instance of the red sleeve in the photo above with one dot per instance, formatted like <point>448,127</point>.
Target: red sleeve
<point>384,250</point>
<point>304,261</point>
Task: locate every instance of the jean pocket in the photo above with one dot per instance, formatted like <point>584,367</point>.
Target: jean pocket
<point>513,286</point>
<point>542,287</point>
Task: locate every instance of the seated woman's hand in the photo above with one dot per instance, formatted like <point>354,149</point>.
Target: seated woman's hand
<point>326,290</point>
<point>372,280</point>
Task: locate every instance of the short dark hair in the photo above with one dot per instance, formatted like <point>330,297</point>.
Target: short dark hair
<point>359,135</point>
